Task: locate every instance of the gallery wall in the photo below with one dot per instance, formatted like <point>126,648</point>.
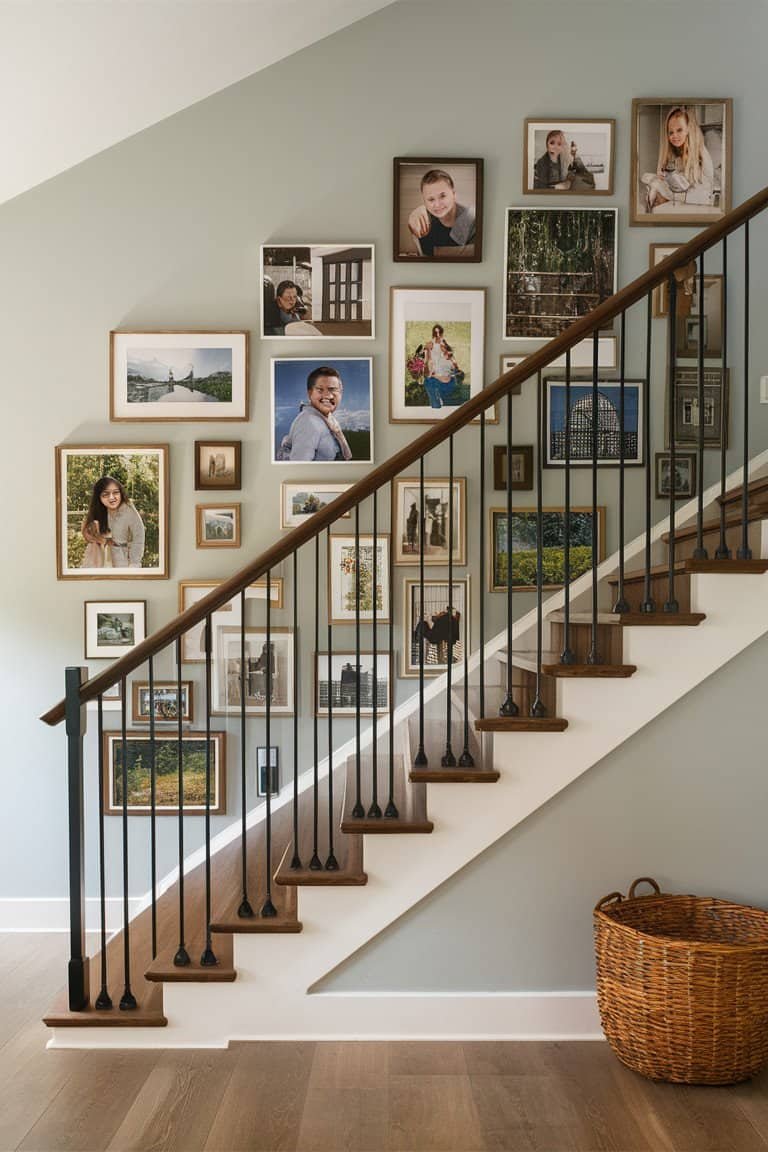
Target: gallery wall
<point>163,231</point>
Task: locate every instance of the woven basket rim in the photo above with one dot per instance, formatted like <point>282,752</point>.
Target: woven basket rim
<point>670,941</point>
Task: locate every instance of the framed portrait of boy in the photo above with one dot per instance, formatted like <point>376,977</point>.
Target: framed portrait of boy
<point>681,160</point>
<point>322,410</point>
<point>574,157</point>
<point>316,291</point>
<point>438,210</point>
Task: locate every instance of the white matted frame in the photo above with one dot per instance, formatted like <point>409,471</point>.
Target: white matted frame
<point>113,627</point>
<point>587,157</point>
<point>226,680</point>
<point>342,579</point>
<point>300,501</point>
<point>406,518</point>
<point>437,630</point>
<point>191,591</point>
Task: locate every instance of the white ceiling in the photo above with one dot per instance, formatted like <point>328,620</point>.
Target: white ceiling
<point>77,76</point>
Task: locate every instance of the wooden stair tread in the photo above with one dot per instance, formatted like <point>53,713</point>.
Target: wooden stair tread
<point>689,531</point>
<point>347,849</point>
<point>728,567</point>
<point>558,617</point>
<point>590,671</point>
<point>521,724</point>
<point>661,619</point>
<point>243,925</point>
<point>305,877</point>
<point>637,575</point>
<point>410,800</point>
<point>163,970</point>
<point>754,488</point>
<point>149,1014</point>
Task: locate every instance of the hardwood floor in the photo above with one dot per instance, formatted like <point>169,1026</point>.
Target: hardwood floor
<point>341,1097</point>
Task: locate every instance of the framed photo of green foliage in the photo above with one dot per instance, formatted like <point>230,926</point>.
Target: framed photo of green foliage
<point>112,512</point>
<point>523,535</point>
<point>138,773</point>
<point>343,579</point>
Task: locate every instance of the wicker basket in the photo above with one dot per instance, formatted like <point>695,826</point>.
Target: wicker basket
<point>682,985</point>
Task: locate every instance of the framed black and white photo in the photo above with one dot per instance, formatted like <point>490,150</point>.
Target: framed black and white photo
<point>337,686</point>
<point>267,674</point>
<point>317,291</point>
<point>322,410</point>
<point>113,627</point>
<point>687,414</point>
<point>441,623</point>
<point>438,207</point>
<point>685,475</point>
<point>580,422</point>
<point>407,519</point>
<point>262,770</point>
<point>565,156</point>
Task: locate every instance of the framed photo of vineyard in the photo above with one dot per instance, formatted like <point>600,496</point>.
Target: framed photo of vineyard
<point>523,535</point>
<point>343,579</point>
<point>138,774</point>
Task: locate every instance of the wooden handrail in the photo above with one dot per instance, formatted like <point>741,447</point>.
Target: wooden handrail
<point>378,477</point>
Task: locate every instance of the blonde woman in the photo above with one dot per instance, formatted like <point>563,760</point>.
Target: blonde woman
<point>685,173</point>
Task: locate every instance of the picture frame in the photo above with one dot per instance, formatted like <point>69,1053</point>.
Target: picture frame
<point>581,356</point>
<point>165,697</point>
<point>300,501</point>
<point>217,465</point>
<point>217,525</point>
<point>342,568</point>
<point>139,760</point>
<point>262,770</point>
<point>225,687</point>
<point>406,518</point>
<point>437,199</point>
<point>568,156</point>
<point>716,405</point>
<point>416,315</point>
<point>522,467</point>
<point>331,293</point>
<point>343,684</point>
<point>524,523</point>
<point>86,475</point>
<point>687,318</point>
<point>659,302</point>
<point>560,264</point>
<point>685,475</point>
<point>178,375</point>
<point>305,398</point>
<point>190,591</point>
<point>695,192</point>
<point>609,423</point>
<point>113,627</point>
<point>437,631</point>
<point>111,699</point>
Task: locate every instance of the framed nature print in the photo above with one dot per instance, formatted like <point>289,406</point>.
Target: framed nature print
<point>438,210</point>
<point>343,579</point>
<point>681,160</point>
<point>312,291</point>
<point>163,700</point>
<point>136,772</point>
<point>191,591</point>
<point>178,376</point>
<point>217,525</point>
<point>436,351</point>
<point>262,770</point>
<point>568,156</point>
<point>687,324</point>
<point>217,465</point>
<point>298,502</point>
<point>112,512</point>
<point>257,674</point>
<point>560,264</point>
<point>524,536</point>
<point>113,627</point>
<point>445,633</point>
<point>580,423</point>
<point>522,467</point>
<point>336,688</point>
<point>687,415</point>
<point>322,410</point>
<point>659,302</point>
<point>685,475</point>
<point>406,517</point>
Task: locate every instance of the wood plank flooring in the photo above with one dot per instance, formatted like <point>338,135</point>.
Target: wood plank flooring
<point>341,1097</point>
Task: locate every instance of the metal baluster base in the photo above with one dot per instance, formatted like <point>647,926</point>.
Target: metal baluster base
<point>103,1001</point>
<point>722,552</point>
<point>509,708</point>
<point>648,606</point>
<point>208,958</point>
<point>128,1002</point>
<point>181,959</point>
<point>295,862</point>
<point>466,760</point>
<point>374,812</point>
<point>268,909</point>
<point>593,657</point>
<point>537,709</point>
<point>620,606</point>
<point>315,864</point>
<point>331,864</point>
<point>245,911</point>
<point>420,759</point>
<point>567,656</point>
<point>391,812</point>
<point>448,760</point>
<point>358,812</point>
<point>671,607</point>
<point>744,554</point>
<point>700,554</point>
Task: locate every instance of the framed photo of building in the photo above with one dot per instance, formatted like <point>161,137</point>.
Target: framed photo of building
<point>685,475</point>
<point>163,700</point>
<point>343,579</point>
<point>138,773</point>
<point>113,627</point>
<point>574,157</point>
<point>522,467</point>
<point>191,591</point>
<point>300,501</point>
<point>445,633</point>
<point>217,525</point>
<point>226,691</point>
<point>262,770</point>
<point>687,326</point>
<point>406,517</point>
<point>687,414</point>
<point>336,688</point>
<point>322,410</point>
<point>316,291</point>
<point>217,465</point>
<point>524,539</point>
<point>580,423</point>
<point>438,208</point>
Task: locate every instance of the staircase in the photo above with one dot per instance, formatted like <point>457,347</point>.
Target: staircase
<point>528,711</point>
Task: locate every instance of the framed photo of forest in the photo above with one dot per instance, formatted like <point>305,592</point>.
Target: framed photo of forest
<point>138,764</point>
<point>524,535</point>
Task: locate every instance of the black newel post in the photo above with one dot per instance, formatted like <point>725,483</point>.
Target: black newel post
<point>79,968</point>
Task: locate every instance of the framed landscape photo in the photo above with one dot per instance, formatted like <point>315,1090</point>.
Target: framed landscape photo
<point>138,773</point>
<point>163,700</point>
<point>687,414</point>
<point>522,467</point>
<point>445,633</point>
<point>113,627</point>
<point>322,410</point>
<point>298,502</point>
<point>438,207</point>
<point>406,517</point>
<point>580,423</point>
<point>685,475</point>
<point>524,538</point>
<point>343,579</point>
<point>436,351</point>
<point>568,156</point>
<point>312,291</point>
<point>259,678</point>
<point>217,465</point>
<point>217,525</point>
<point>688,327</point>
<point>681,160</point>
<point>178,376</point>
<point>112,512</point>
<point>336,689</point>
<point>263,770</point>
<point>191,591</point>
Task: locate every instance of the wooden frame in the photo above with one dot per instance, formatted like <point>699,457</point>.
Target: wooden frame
<point>221,471</point>
<point>609,439</point>
<point>289,408</point>
<point>190,591</point>
<point>579,563</point>
<point>384,660</point>
<point>227,523</point>
<point>714,116</point>
<point>687,458</point>
<point>167,780</point>
<point>525,452</point>
<point>687,319</point>
<point>659,302</point>
<point>584,142</point>
<point>341,556</point>
<point>581,356</point>
<point>138,359</point>
<point>716,395</point>
<point>126,634</point>
<point>290,489</point>
<point>317,271</point>
<point>225,688</point>
<point>410,645</point>
<point>435,554</point>
<point>467,178</point>
<point>165,700</point>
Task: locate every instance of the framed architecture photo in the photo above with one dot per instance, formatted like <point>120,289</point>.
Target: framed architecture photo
<point>336,687</point>
<point>192,591</point>
<point>343,579</point>
<point>580,423</point>
<point>688,326</point>
<point>315,291</point>
<point>560,264</point>
<point>217,525</point>
<point>685,475</point>
<point>163,700</point>
<point>258,677</point>
<point>178,376</point>
<point>406,517</point>
<point>687,414</point>
<point>522,467</point>
<point>113,627</point>
<point>322,410</point>
<point>441,622</point>
<point>681,160</point>
<point>112,512</point>
<point>438,207</point>
<point>217,465</point>
<point>136,773</point>
<point>299,502</point>
<point>263,770</point>
<point>436,351</point>
<point>574,157</point>
<point>524,536</point>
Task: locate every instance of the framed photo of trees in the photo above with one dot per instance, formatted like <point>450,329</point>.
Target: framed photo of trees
<point>523,541</point>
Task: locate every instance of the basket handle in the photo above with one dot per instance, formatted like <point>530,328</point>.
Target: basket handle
<point>609,899</point>
<point>643,880</point>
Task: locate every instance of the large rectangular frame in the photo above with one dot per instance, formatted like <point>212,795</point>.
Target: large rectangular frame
<point>218,772</point>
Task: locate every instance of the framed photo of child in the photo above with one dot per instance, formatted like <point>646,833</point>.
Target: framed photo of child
<point>681,160</point>
<point>568,156</point>
<point>438,210</point>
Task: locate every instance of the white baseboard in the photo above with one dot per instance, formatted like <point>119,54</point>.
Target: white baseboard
<point>51,913</point>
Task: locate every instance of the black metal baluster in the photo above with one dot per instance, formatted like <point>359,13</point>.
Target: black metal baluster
<point>509,707</point>
<point>744,552</point>
<point>374,812</point>
<point>103,1000</point>
<point>466,759</point>
<point>420,760</point>
<point>621,604</point>
<point>482,563</point>
<point>296,858</point>
<point>268,909</point>
<point>78,969</point>
<point>567,655</point>
<point>208,958</point>
<point>593,656</point>
<point>153,803</point>
<point>331,863</point>
<point>448,759</point>
<point>670,604</point>
<point>723,552</point>
<point>700,552</point>
<point>127,1000</point>
<point>537,707</point>
<point>391,812</point>
<point>181,958</point>
<point>245,911</point>
<point>315,863</point>
<point>358,811</point>
<point>648,603</point>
